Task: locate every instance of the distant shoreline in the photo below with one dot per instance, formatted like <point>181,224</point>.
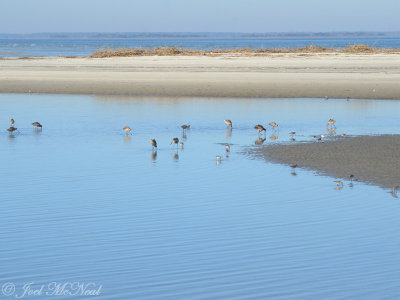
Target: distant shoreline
<point>273,75</point>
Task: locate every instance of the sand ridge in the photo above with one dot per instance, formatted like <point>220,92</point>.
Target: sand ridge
<point>367,76</point>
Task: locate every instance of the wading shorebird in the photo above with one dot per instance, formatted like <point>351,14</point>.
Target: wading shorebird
<point>228,122</point>
<point>127,129</point>
<point>175,140</point>
<point>351,177</point>
<point>393,191</point>
<point>273,125</point>
<point>219,159</point>
<point>153,143</point>
<point>228,148</point>
<point>260,128</point>
<point>37,124</point>
<point>12,122</point>
<point>338,182</point>
<point>326,97</point>
<point>11,129</point>
<point>331,122</point>
<point>185,126</point>
<point>292,133</point>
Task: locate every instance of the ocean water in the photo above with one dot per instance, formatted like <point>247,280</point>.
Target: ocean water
<point>85,46</point>
<point>83,203</point>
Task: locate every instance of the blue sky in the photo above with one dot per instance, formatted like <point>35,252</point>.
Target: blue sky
<point>27,16</point>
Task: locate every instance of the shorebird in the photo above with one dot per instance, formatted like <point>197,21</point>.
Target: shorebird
<point>351,177</point>
<point>37,124</point>
<point>326,98</point>
<point>260,128</point>
<point>292,139</point>
<point>294,166</point>
<point>127,129</point>
<point>273,125</point>
<point>153,143</point>
<point>11,129</point>
<point>184,127</point>
<point>338,182</point>
<point>175,141</point>
<point>313,136</point>
<point>331,122</point>
<point>218,157</point>
<point>228,122</point>
<point>228,148</point>
<point>12,122</point>
<point>343,134</point>
<point>292,133</point>
<point>393,191</point>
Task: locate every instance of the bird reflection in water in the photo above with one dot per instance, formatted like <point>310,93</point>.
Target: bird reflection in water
<point>127,139</point>
<point>273,137</point>
<point>184,136</point>
<point>260,141</point>
<point>153,156</point>
<point>331,131</point>
<point>176,156</point>
<point>228,132</point>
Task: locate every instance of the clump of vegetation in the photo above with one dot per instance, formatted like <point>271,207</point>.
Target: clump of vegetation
<point>176,51</point>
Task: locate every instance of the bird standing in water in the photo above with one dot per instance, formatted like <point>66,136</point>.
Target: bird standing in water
<point>12,122</point>
<point>153,143</point>
<point>175,141</point>
<point>228,122</point>
<point>260,128</point>
<point>330,122</point>
<point>127,129</point>
<point>11,129</point>
<point>37,124</point>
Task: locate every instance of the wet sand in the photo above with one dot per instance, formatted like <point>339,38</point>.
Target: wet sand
<point>367,76</point>
<point>371,159</point>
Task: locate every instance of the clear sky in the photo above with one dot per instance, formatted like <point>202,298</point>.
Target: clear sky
<point>29,16</point>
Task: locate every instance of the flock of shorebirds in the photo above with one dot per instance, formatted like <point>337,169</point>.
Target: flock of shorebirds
<point>260,128</point>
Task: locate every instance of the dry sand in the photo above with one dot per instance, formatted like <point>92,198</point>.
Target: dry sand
<point>372,159</point>
<point>368,76</point>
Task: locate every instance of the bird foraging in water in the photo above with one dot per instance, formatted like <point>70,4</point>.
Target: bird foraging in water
<point>219,158</point>
<point>228,122</point>
<point>153,143</point>
<point>338,182</point>
<point>292,133</point>
<point>127,129</point>
<point>273,125</point>
<point>37,124</point>
<point>12,122</point>
<point>184,127</point>
<point>393,191</point>
<point>11,129</point>
<point>351,177</point>
<point>260,128</point>
<point>331,122</point>
<point>175,141</point>
<point>294,166</point>
<point>228,148</point>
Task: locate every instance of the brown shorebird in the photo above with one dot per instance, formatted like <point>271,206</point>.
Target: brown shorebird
<point>127,129</point>
<point>37,124</point>
<point>12,122</point>
<point>260,128</point>
<point>294,166</point>
<point>228,122</point>
<point>273,125</point>
<point>228,148</point>
<point>393,191</point>
<point>184,127</point>
<point>331,122</point>
<point>11,129</point>
<point>175,141</point>
<point>292,133</point>
<point>219,158</point>
<point>153,143</point>
<point>338,182</point>
<point>351,177</point>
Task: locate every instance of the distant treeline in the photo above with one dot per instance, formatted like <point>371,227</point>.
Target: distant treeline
<point>127,35</point>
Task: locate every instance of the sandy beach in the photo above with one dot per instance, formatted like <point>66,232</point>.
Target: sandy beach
<point>371,159</point>
<point>368,76</point>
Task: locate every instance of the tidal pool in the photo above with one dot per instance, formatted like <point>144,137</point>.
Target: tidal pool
<point>81,202</point>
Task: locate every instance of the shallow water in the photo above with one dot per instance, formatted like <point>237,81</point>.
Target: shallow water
<point>82,202</point>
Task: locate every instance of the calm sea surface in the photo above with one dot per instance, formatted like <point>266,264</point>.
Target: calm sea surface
<point>82,47</point>
<point>83,202</point>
